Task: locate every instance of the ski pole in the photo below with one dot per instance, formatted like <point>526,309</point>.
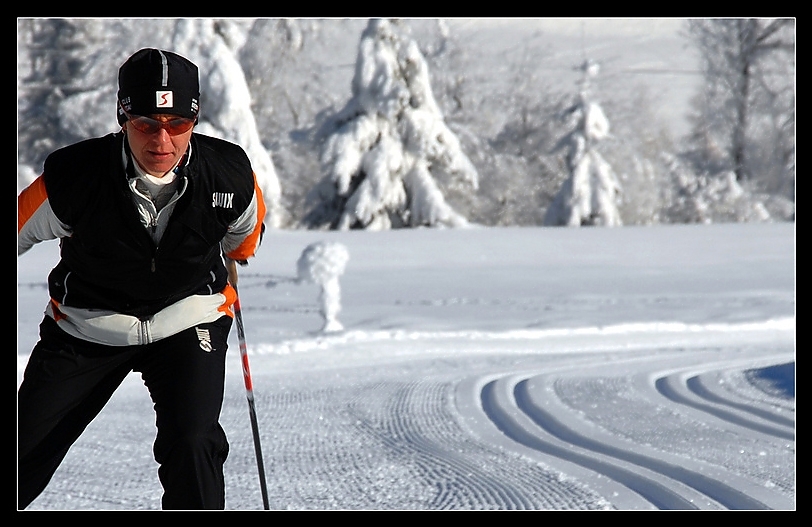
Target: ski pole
<point>249,385</point>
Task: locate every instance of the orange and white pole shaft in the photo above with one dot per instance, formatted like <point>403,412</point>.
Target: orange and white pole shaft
<point>231,265</point>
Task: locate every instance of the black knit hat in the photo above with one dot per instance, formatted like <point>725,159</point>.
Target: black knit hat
<point>154,81</point>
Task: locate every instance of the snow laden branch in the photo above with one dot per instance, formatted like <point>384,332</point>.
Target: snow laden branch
<point>383,154</point>
<point>226,100</point>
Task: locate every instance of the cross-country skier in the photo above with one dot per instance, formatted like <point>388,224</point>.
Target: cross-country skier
<point>145,218</point>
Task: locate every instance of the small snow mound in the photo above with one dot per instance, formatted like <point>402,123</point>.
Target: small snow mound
<point>322,261</point>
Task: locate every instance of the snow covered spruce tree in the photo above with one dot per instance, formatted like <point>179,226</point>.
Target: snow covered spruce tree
<point>590,195</point>
<point>225,101</point>
<point>383,154</point>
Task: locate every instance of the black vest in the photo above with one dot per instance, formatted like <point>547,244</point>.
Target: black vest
<point>110,261</point>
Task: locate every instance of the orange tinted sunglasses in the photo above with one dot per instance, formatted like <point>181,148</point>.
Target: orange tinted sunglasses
<point>148,125</point>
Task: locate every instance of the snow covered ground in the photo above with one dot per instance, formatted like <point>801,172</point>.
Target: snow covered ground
<point>623,368</point>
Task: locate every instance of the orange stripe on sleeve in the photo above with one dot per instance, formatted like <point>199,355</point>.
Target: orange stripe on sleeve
<point>249,246</point>
<point>29,200</point>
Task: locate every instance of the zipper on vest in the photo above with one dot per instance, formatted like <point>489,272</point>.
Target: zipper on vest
<point>154,258</point>
<point>143,332</point>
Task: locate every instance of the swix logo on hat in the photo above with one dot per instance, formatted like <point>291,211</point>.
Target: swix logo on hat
<point>157,81</point>
<point>163,99</point>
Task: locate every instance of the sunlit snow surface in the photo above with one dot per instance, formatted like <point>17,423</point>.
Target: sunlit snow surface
<point>489,369</point>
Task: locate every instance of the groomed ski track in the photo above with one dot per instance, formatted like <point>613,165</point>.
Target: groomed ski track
<point>579,420</point>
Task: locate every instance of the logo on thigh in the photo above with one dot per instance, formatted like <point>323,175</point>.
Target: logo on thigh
<point>204,338</point>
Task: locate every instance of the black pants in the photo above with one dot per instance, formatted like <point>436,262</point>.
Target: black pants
<point>68,381</point>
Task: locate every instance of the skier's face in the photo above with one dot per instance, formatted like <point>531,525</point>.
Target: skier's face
<point>154,147</point>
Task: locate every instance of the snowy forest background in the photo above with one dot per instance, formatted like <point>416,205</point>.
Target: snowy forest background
<point>417,129</point>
